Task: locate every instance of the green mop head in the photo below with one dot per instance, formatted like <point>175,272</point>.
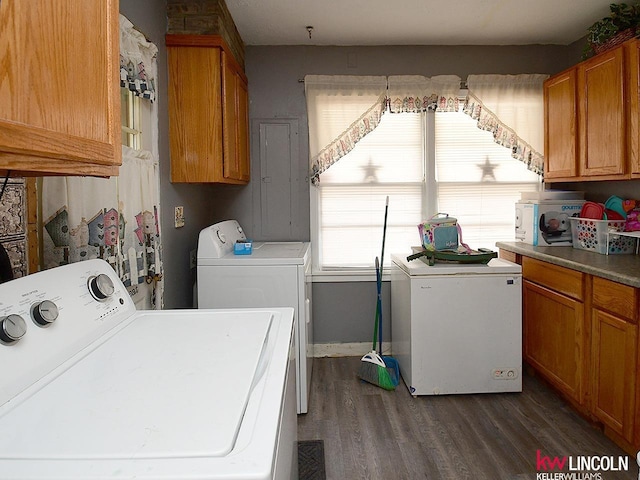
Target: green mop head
<point>374,371</point>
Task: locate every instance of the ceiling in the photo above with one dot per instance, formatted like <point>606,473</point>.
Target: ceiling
<point>415,22</point>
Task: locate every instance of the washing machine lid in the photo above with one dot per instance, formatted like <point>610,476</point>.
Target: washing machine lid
<point>420,268</point>
<point>168,385</point>
<point>264,253</point>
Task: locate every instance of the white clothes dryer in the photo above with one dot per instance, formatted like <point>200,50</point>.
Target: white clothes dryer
<point>275,274</point>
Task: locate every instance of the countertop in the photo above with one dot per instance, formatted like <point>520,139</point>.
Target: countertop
<point>623,269</point>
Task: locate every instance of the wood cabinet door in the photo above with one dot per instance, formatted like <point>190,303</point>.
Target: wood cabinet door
<point>613,375</point>
<point>601,115</point>
<point>633,116</point>
<point>560,126</point>
<point>554,337</point>
<point>59,87</point>
<point>195,114</point>
<point>235,118</point>
<point>243,130</point>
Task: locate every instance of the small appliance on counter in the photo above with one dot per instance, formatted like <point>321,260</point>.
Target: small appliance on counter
<point>542,218</point>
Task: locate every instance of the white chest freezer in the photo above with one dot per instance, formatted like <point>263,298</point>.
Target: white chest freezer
<point>457,328</point>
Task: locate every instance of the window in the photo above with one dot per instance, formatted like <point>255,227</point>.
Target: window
<point>135,114</point>
<point>130,119</point>
<point>352,195</point>
<point>426,163</point>
<point>477,180</point>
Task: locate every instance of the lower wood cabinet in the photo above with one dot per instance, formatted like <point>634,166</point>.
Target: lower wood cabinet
<point>580,333</point>
<point>613,372</point>
<point>554,337</point>
<point>614,349</point>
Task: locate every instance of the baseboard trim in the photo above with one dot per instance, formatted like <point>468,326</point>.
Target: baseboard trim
<point>355,349</point>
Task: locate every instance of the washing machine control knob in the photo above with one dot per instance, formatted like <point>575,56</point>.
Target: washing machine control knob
<point>44,313</point>
<point>12,328</point>
<point>101,287</point>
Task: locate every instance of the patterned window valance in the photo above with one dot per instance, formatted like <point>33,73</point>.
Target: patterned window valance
<point>344,109</point>
<point>415,93</point>
<point>137,70</point>
<point>511,108</point>
<point>341,110</point>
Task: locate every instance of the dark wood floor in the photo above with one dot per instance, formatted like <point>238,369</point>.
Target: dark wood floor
<point>370,433</point>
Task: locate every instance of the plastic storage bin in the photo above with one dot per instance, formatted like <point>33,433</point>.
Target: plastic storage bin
<point>588,234</point>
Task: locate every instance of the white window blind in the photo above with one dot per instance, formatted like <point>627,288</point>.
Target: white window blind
<point>352,194</point>
<point>392,160</point>
<point>478,181</point>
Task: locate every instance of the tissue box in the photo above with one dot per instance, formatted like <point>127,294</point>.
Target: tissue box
<point>546,223</point>
<point>243,248</point>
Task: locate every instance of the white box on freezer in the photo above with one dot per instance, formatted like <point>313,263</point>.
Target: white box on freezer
<point>546,223</point>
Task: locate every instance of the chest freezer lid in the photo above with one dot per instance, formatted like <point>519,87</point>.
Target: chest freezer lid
<point>264,253</point>
<point>420,268</point>
<point>167,385</point>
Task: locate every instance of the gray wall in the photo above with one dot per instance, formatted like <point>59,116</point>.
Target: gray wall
<point>343,312</point>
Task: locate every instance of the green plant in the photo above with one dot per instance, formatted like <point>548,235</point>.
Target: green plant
<point>622,17</point>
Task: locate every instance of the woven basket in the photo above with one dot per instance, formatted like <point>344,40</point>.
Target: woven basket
<point>617,39</point>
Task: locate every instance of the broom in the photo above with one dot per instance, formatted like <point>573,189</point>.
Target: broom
<point>372,367</point>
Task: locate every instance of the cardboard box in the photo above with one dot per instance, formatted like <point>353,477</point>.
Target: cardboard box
<point>244,247</point>
<point>546,223</point>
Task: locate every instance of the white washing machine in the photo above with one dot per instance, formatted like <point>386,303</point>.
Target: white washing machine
<point>275,274</point>
<point>91,388</point>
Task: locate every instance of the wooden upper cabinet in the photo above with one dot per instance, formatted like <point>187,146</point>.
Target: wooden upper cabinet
<point>633,117</point>
<point>59,87</point>
<point>236,121</point>
<point>561,116</point>
<point>195,114</point>
<point>601,115</point>
<point>595,135</point>
<point>208,111</point>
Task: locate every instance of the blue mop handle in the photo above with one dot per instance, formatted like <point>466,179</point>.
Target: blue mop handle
<point>379,305</point>
<point>379,274</point>
<point>377,320</point>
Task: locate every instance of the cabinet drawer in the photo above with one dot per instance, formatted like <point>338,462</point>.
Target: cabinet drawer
<point>616,298</point>
<point>563,280</point>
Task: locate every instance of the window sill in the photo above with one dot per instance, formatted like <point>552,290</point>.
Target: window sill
<point>338,276</point>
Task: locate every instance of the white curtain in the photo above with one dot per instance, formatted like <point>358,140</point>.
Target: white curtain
<point>137,61</point>
<point>336,125</point>
<point>415,93</point>
<point>511,107</point>
<point>115,219</point>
